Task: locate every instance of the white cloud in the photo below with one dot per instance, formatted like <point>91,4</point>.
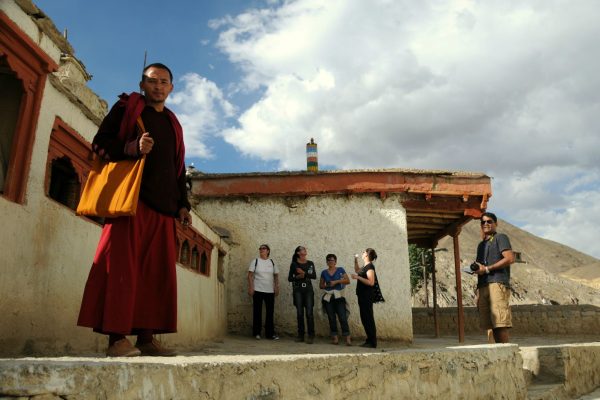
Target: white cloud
<point>575,225</point>
<point>201,109</point>
<point>557,203</point>
<point>510,88</point>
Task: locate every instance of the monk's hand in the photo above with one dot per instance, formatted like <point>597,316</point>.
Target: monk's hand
<point>146,143</point>
<point>184,217</point>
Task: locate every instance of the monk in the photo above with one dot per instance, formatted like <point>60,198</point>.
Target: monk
<point>132,287</point>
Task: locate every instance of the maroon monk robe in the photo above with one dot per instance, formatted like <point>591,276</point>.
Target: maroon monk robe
<point>132,284</point>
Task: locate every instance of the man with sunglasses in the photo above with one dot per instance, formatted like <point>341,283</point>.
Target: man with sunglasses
<point>494,256</point>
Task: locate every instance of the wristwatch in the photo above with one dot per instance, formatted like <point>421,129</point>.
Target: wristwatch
<point>487,270</point>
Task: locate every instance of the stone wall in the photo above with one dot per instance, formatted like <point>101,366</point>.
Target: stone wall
<point>527,320</point>
<point>339,224</point>
<point>477,372</point>
<point>574,367</point>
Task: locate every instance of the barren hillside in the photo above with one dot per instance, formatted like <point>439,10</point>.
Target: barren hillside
<point>550,272</point>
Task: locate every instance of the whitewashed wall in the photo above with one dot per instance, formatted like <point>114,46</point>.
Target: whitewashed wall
<point>343,225</point>
<point>46,252</point>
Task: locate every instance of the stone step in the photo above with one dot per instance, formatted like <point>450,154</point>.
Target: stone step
<point>556,391</point>
<point>547,391</point>
<point>466,372</point>
<point>561,372</point>
<point>595,395</point>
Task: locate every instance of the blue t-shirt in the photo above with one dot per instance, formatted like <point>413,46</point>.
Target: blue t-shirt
<point>339,273</point>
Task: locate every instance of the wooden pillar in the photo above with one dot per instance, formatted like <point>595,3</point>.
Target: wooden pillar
<point>461,315</point>
<point>436,323</point>
<point>425,278</point>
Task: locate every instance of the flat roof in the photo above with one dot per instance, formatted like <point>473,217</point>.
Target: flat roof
<point>437,202</point>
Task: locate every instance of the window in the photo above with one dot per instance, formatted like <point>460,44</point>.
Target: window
<point>184,254</point>
<point>10,102</point>
<point>194,250</point>
<point>195,264</point>
<point>64,183</point>
<point>203,264</point>
<point>221,266</point>
<point>23,70</point>
<point>68,164</point>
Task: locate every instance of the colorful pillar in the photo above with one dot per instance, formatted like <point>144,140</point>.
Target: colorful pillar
<point>312,161</point>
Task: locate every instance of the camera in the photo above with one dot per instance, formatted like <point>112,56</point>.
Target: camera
<point>474,267</point>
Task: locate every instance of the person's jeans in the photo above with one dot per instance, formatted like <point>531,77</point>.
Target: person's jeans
<point>337,307</point>
<point>304,299</point>
<point>269,299</point>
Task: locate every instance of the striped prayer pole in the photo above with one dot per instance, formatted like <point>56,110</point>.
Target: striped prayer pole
<point>312,161</point>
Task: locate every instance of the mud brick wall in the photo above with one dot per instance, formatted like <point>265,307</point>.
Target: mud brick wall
<point>527,320</point>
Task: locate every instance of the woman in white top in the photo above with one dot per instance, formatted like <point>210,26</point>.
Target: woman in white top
<point>263,285</point>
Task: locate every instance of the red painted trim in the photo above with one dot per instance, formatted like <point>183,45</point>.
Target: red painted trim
<point>341,183</point>
<point>65,141</point>
<point>31,66</point>
<point>197,240</point>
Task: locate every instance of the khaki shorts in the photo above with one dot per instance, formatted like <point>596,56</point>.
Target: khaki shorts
<point>494,310</point>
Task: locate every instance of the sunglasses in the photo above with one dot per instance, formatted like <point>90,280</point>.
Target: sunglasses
<point>487,221</point>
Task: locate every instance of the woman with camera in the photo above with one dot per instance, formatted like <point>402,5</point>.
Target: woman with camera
<point>302,271</point>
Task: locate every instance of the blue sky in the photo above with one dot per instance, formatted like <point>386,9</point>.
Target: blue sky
<point>508,88</point>
<point>110,38</point>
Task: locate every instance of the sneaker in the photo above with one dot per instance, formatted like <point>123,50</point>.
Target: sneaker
<point>274,337</point>
<point>310,339</point>
<point>123,348</point>
<point>257,337</point>
<point>155,349</point>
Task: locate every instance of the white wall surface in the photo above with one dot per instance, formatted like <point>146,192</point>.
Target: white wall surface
<point>343,225</point>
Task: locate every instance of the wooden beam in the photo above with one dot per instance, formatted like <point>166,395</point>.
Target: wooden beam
<point>433,214</point>
<point>425,225</point>
<point>446,205</point>
<point>429,232</point>
<point>432,220</point>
